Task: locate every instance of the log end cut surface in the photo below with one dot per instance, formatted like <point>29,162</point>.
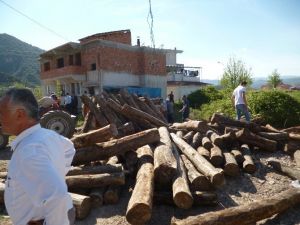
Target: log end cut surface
<point>183,200</point>
<point>140,213</point>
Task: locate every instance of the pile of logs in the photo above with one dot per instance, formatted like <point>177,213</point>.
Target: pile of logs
<point>124,136</point>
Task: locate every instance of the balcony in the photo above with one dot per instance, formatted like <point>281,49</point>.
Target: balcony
<point>58,72</point>
<point>180,72</point>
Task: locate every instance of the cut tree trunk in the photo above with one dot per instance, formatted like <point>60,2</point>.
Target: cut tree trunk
<point>216,139</point>
<point>204,152</point>
<point>198,182</point>
<point>295,137</point>
<point>248,213</point>
<point>293,173</point>
<point>82,205</point>
<point>248,164</point>
<point>275,136</point>
<point>130,158</point>
<point>297,158</point>
<point>126,129</point>
<point>114,147</point>
<point>95,169</point>
<point>3,175</point>
<point>112,194</point>
<point>165,165</point>
<point>2,187</point>
<point>200,198</point>
<point>180,133</point>
<point>215,175</point>
<point>95,180</point>
<point>181,192</point>
<point>231,168</point>
<point>128,98</point>
<point>226,121</point>
<point>139,208</point>
<point>192,125</point>
<point>188,138</point>
<point>96,195</point>
<point>216,156</point>
<point>238,156</point>
<point>88,123</point>
<point>197,140</point>
<point>154,108</point>
<point>270,128</point>
<point>95,136</point>
<point>247,137</point>
<point>228,139</point>
<point>295,129</point>
<point>206,143</point>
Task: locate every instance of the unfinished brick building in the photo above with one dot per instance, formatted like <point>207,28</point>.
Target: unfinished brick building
<point>106,61</point>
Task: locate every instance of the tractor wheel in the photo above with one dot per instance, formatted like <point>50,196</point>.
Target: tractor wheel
<point>3,140</point>
<point>59,121</point>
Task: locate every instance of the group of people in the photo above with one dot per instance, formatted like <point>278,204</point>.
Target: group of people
<point>169,106</point>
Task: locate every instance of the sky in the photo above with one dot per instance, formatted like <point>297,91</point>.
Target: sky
<point>264,34</point>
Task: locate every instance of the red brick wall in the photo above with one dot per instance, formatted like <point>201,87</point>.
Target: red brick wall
<point>117,36</point>
<point>52,73</point>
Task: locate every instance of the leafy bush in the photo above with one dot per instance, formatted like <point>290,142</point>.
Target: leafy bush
<point>203,96</point>
<point>276,107</point>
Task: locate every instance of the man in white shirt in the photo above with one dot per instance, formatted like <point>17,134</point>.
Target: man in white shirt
<point>240,102</point>
<point>35,189</point>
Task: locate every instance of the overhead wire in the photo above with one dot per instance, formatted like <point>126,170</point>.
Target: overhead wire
<point>34,21</point>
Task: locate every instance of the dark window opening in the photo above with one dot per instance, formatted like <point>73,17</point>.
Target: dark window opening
<point>71,60</point>
<point>78,59</point>
<point>60,62</point>
<point>93,66</point>
<point>46,66</point>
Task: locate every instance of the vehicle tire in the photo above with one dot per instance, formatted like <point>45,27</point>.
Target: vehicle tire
<point>3,140</point>
<point>59,121</point>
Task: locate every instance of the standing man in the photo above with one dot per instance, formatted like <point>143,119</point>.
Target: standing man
<point>185,110</point>
<point>239,101</point>
<point>35,189</point>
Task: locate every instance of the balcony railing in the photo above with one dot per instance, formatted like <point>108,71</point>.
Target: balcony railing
<point>180,72</point>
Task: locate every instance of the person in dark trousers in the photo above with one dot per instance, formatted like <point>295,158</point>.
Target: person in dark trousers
<point>170,111</point>
<point>171,97</point>
<point>185,110</point>
<point>35,188</point>
<point>239,101</point>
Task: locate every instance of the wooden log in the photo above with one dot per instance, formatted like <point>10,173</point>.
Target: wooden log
<point>82,205</point>
<point>192,125</point>
<point>291,146</point>
<point>248,164</point>
<point>117,168</point>
<point>274,136</point>
<point>114,147</point>
<point>131,159</point>
<point>188,138</point>
<point>95,136</point>
<point>95,180</point>
<point>201,198</point>
<point>96,112</point>
<point>295,129</point>
<point>3,175</point>
<point>181,192</point>
<point>154,108</point>
<point>126,129</point>
<point>216,156</point>
<point>96,195</point>
<point>293,173</point>
<point>297,157</point>
<point>2,188</point>
<point>144,106</point>
<point>88,124</point>
<point>226,121</point>
<point>247,137</point>
<point>238,156</point>
<point>270,128</point>
<point>231,167</point>
<point>128,98</point>
<point>231,129</point>
<point>112,160</point>
<point>295,137</point>
<point>215,175</point>
<point>204,152</point>
<point>228,139</point>
<point>216,139</point>
<point>198,182</point>
<point>206,143</point>
<point>180,133</point>
<point>197,140</point>
<point>139,208</point>
<point>112,194</point>
<point>165,165</point>
<point>247,213</point>
<point>139,115</point>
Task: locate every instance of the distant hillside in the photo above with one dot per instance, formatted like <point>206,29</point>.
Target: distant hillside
<point>18,61</point>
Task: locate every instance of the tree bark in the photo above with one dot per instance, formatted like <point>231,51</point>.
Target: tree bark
<point>117,168</point>
<point>96,195</point>
<point>293,173</point>
<point>154,108</point>
<point>126,129</point>
<point>206,143</point>
<point>114,147</point>
<point>295,137</point>
<point>188,138</point>
<point>180,133</point>
<point>198,182</point>
<point>231,168</point>
<point>181,192</point>
<point>112,194</point>
<point>248,164</point>
<point>216,139</point>
<point>95,136</point>
<point>192,125</point>
<point>247,137</point>
<point>295,129</point>
<point>216,156</point>
<point>165,165</point>
<point>197,140</point>
<point>88,124</point>
<point>204,152</point>
<point>95,180</point>
<point>139,208</point>
<point>128,98</point>
<point>274,136</point>
<point>82,205</point>
<point>215,175</point>
<point>238,156</point>
<point>297,158</point>
<point>248,213</point>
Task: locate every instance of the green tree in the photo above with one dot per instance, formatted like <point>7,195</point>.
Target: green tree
<point>235,72</point>
<point>274,79</point>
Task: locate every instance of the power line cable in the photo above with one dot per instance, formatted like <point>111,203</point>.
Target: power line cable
<point>34,21</point>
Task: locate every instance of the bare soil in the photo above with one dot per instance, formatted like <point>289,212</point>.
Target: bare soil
<point>246,188</point>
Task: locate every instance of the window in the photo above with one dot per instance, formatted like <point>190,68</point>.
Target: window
<point>78,59</point>
<point>60,62</point>
<point>71,60</point>
<point>78,91</point>
<point>93,66</point>
<point>46,66</point>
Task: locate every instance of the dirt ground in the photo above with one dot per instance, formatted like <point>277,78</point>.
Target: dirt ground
<point>246,188</point>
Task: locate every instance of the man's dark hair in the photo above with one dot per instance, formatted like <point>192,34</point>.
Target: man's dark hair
<point>25,98</point>
<point>244,83</point>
